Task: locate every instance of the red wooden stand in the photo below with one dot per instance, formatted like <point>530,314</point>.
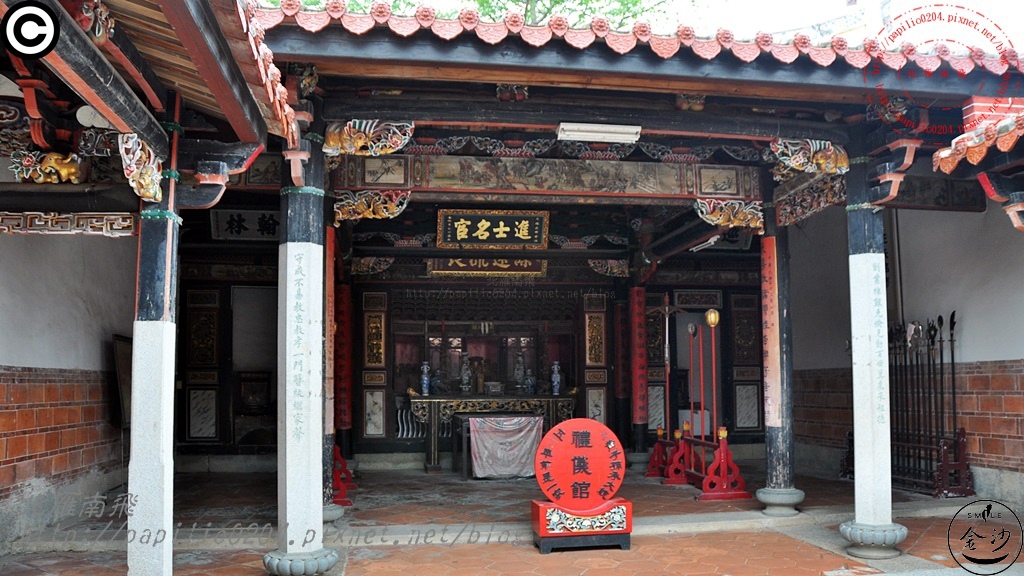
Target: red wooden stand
<point>656,465</point>
<point>609,524</point>
<point>342,479</point>
<point>677,461</point>
<point>680,460</point>
<point>723,480</point>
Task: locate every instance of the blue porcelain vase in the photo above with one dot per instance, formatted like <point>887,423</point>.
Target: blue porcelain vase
<point>425,378</point>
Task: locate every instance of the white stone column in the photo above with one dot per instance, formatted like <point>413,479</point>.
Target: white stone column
<point>300,385</point>
<point>872,533</point>
<point>151,466</point>
<point>150,494</point>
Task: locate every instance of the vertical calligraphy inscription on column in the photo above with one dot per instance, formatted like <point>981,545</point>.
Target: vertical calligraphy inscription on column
<point>879,344</point>
<point>770,333</point>
<point>297,349</point>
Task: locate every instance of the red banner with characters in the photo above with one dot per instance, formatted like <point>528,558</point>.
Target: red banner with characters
<point>343,357</point>
<point>638,351</point>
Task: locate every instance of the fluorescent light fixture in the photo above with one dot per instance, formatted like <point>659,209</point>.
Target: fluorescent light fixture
<point>598,132</point>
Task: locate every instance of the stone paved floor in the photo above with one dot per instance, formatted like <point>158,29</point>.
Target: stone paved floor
<point>390,500</point>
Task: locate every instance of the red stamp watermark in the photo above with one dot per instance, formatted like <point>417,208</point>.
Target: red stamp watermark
<point>951,42</point>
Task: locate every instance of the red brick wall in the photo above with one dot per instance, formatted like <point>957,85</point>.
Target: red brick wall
<point>823,406</point>
<point>54,425</point>
<point>990,403</point>
<point>990,406</point>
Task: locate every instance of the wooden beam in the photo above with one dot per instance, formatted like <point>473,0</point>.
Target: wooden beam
<point>93,20</point>
<point>378,52</point>
<point>201,36</point>
<point>32,197</point>
<point>407,252</point>
<point>236,156</point>
<point>123,50</point>
<point>544,115</point>
<point>81,66</point>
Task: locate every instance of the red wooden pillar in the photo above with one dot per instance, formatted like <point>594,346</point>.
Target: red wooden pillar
<point>621,374</point>
<point>342,364</point>
<point>638,351</point>
<point>328,407</point>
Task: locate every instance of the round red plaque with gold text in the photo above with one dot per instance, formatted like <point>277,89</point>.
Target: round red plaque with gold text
<point>580,464</point>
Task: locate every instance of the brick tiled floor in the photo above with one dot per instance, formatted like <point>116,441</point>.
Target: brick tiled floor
<point>409,497</point>
<point>764,553</point>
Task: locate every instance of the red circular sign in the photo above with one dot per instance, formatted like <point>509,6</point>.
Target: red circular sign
<point>580,464</point>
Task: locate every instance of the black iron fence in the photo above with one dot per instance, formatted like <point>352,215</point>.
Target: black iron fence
<point>929,448</point>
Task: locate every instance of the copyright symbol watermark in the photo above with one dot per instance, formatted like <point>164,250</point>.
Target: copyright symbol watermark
<point>30,29</point>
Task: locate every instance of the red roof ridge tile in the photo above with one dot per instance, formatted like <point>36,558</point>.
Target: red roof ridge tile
<point>665,46</point>
<point>975,144</point>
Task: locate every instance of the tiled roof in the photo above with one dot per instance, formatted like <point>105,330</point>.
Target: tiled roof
<point>974,145</point>
<point>859,56</point>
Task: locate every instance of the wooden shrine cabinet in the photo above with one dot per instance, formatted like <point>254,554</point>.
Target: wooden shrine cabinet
<point>491,350</point>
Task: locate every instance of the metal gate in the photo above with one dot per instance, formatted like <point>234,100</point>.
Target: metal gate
<point>929,447</point>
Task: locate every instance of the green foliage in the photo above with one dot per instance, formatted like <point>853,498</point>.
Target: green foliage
<point>621,14</point>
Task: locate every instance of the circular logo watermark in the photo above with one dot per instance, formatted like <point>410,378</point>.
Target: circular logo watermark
<point>985,537</point>
<point>954,38</point>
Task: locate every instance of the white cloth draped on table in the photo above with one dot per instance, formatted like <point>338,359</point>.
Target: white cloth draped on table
<point>504,446</point>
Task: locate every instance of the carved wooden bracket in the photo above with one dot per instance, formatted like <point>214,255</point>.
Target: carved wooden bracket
<point>296,159</point>
<point>212,178</point>
<point>1007,191</point>
<point>890,171</point>
<point>46,129</point>
<point>370,204</point>
<point>141,167</point>
<point>731,213</point>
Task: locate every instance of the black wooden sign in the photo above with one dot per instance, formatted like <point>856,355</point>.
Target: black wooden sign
<point>492,229</point>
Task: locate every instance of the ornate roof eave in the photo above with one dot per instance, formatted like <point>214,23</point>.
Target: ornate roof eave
<point>857,56</point>
<point>975,145</point>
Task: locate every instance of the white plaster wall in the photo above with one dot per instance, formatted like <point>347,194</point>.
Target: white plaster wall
<point>820,291</point>
<point>971,263</point>
<point>63,297</point>
<point>967,262</point>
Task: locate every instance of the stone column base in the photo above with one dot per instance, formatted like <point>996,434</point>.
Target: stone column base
<point>281,563</point>
<point>873,541</point>
<point>333,512</point>
<point>780,501</point>
<point>637,459</point>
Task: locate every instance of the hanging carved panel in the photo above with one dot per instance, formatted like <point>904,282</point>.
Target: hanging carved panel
<point>369,204</point>
<point>731,213</point>
<point>595,340</point>
<point>202,337</point>
<point>373,331</point>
